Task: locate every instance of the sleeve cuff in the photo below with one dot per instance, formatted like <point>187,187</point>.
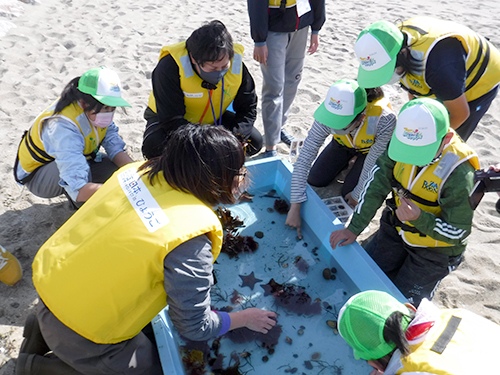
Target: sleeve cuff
<point>315,31</point>
<point>260,44</point>
<point>226,322</point>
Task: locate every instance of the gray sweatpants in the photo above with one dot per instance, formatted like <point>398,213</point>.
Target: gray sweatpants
<point>281,78</point>
<point>137,356</point>
<point>45,182</point>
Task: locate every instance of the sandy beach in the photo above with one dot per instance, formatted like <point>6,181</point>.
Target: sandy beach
<point>46,43</point>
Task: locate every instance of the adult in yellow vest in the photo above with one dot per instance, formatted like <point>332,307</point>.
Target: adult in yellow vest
<point>149,232</point>
<point>196,81</point>
<point>424,229</point>
<point>397,339</point>
<point>361,122</point>
<point>436,59</point>
<point>60,153</point>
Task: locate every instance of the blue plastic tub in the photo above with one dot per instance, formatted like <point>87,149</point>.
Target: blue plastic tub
<point>307,345</point>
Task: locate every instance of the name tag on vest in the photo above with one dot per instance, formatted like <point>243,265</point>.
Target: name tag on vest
<point>193,94</point>
<point>146,207</point>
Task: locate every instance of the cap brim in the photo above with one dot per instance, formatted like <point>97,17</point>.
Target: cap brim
<point>414,155</point>
<point>376,78</point>
<point>331,120</point>
<point>112,101</point>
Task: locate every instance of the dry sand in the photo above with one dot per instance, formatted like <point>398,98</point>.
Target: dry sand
<point>56,40</point>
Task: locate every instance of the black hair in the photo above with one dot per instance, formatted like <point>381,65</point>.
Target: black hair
<point>394,333</point>
<point>374,93</point>
<point>211,42</point>
<point>406,60</point>
<point>71,94</point>
<point>201,160</point>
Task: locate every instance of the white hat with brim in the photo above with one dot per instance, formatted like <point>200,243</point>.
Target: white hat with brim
<point>377,48</point>
<point>343,102</point>
<point>421,126</point>
<point>104,85</point>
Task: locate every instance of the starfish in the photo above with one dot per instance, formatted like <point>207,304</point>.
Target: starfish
<point>249,280</point>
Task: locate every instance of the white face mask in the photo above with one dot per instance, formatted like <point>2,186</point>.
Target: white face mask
<point>395,78</point>
<point>103,119</point>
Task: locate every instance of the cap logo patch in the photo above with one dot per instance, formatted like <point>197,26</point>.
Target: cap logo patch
<point>412,135</point>
<point>335,104</point>
<point>114,87</point>
<point>366,62</point>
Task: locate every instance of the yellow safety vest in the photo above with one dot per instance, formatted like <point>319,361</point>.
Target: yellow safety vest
<point>277,3</point>
<point>101,273</point>
<point>196,98</point>
<point>483,59</point>
<point>428,183</point>
<point>364,136</point>
<point>470,351</point>
<point>31,152</point>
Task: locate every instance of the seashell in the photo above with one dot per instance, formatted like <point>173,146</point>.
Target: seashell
<point>315,356</point>
<point>300,332</point>
<point>259,234</point>
<point>327,273</point>
<point>265,358</point>
<point>288,340</point>
<point>332,277</point>
<point>332,324</point>
<point>333,269</point>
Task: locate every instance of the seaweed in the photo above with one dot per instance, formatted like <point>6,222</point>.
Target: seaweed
<point>268,340</point>
<point>229,223</point>
<point>281,206</point>
<point>292,298</point>
<point>234,245</point>
<point>301,264</point>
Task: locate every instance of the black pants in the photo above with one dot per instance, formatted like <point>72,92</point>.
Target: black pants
<point>477,109</point>
<point>416,271</point>
<point>332,160</point>
<point>155,137</point>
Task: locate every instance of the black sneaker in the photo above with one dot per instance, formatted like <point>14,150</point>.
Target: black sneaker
<point>33,342</point>
<point>286,138</point>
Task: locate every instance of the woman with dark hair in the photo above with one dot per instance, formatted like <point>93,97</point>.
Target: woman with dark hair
<point>436,59</point>
<point>148,237</point>
<point>396,338</point>
<point>60,154</point>
<point>361,122</point>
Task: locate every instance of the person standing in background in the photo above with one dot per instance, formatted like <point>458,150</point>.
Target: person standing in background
<point>279,29</point>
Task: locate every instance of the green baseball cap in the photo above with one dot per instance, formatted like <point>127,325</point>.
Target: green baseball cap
<point>377,48</point>
<point>362,320</point>
<point>421,126</point>
<point>104,85</point>
<point>343,102</point>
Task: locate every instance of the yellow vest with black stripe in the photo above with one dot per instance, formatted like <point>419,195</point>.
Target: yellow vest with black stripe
<point>470,351</point>
<point>31,152</point>
<point>364,136</point>
<point>428,184</point>
<point>483,59</point>
<point>101,273</point>
<point>277,3</point>
<point>196,98</point>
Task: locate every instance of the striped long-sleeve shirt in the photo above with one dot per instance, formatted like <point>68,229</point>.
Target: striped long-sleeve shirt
<point>315,139</point>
